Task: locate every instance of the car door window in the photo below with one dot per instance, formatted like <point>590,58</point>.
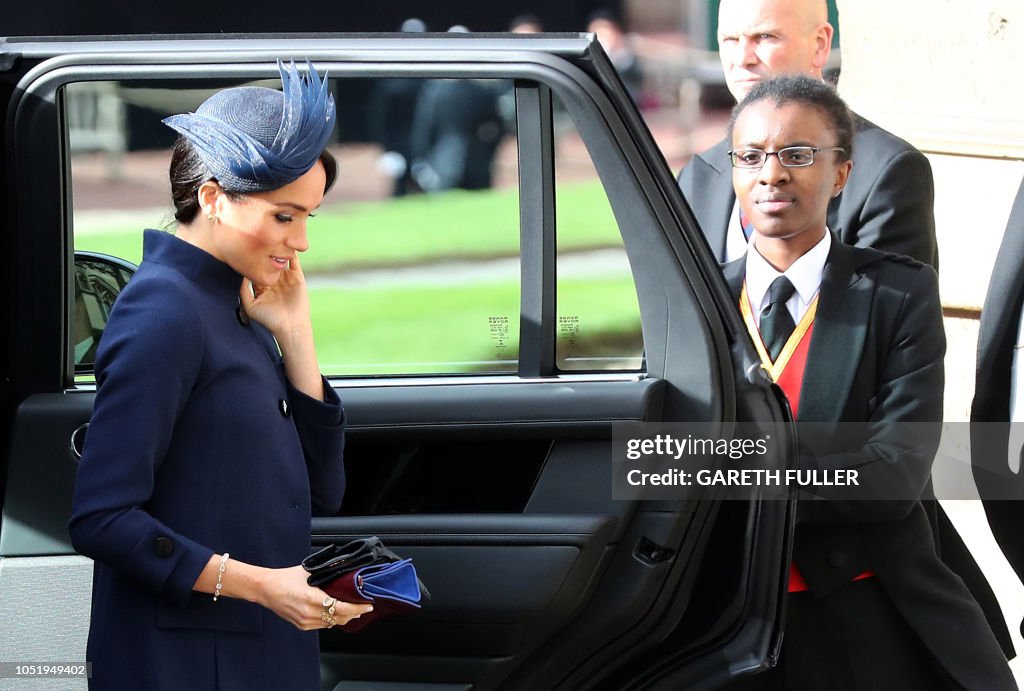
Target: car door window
<point>413,266</point>
<point>598,324</point>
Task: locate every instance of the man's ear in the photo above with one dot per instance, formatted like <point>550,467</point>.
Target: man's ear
<point>842,176</point>
<point>822,45</point>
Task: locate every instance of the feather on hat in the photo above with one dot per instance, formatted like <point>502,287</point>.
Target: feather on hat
<point>254,139</point>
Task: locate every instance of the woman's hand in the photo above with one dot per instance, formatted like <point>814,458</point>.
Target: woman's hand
<point>282,591</point>
<point>286,593</point>
<point>283,308</point>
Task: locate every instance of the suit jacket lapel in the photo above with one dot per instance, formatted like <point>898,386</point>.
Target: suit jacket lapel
<point>840,330</point>
<point>999,321</point>
<point>720,198</point>
<point>734,273</point>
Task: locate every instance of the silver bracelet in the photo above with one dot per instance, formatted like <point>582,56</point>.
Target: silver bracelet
<point>220,576</point>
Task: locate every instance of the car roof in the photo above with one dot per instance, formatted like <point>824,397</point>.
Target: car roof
<point>568,45</point>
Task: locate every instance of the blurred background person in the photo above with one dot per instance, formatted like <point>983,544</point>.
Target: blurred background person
<point>526,24</point>
<point>612,38</point>
<point>997,437</point>
<point>456,130</point>
<point>391,108</point>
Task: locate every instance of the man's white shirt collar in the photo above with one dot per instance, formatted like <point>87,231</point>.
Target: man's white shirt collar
<point>805,274</point>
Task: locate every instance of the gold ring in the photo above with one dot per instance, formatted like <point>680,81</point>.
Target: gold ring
<point>329,602</point>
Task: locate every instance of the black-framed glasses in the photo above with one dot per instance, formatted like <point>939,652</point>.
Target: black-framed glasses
<point>790,157</point>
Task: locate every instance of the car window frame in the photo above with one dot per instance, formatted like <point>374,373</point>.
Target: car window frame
<point>536,181</point>
<point>609,142</point>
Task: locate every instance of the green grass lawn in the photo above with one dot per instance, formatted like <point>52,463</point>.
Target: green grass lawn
<point>416,329</point>
<point>417,229</point>
<point>413,326</point>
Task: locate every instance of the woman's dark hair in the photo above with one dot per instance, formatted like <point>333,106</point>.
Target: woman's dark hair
<point>807,91</point>
<point>188,173</point>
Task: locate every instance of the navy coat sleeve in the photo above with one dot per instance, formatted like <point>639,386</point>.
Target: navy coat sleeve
<point>147,364</point>
<point>321,428</point>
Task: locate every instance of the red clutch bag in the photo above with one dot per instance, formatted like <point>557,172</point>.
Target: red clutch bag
<point>365,571</point>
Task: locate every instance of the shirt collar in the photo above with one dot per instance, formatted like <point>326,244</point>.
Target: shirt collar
<point>805,273</point>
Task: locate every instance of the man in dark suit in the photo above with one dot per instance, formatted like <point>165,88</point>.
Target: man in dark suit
<point>999,366</point>
<point>456,132</point>
<point>887,203</point>
<point>855,338</point>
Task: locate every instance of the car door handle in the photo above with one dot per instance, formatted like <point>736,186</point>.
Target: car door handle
<point>78,441</point>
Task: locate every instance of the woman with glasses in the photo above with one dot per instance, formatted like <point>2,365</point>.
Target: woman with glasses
<point>214,436</point>
<point>854,337</point>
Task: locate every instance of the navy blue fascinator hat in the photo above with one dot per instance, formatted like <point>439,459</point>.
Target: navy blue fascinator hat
<point>254,139</point>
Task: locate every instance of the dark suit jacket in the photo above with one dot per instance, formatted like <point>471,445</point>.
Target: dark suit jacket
<point>887,203</point>
<point>999,321</point>
<point>875,357</point>
<point>456,131</point>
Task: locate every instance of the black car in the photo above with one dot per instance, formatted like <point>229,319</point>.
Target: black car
<point>485,345</point>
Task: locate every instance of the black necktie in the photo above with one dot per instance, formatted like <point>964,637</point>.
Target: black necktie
<point>776,322</point>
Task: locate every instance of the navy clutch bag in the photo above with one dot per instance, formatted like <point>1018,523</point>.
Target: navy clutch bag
<point>366,571</point>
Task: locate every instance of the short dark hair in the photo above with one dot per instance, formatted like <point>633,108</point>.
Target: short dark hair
<point>807,91</point>
<point>188,173</point>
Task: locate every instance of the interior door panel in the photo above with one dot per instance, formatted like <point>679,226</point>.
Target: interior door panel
<point>501,583</point>
<point>511,408</point>
<point>495,581</point>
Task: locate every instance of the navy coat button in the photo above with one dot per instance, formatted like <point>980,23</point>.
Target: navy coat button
<point>243,318</point>
<point>285,409</point>
<point>836,558</point>
<point>163,546</point>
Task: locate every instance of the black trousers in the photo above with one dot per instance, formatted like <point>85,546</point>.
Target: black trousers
<point>850,640</point>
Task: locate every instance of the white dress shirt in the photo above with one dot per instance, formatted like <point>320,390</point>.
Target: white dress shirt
<point>805,275</point>
<point>1017,400</point>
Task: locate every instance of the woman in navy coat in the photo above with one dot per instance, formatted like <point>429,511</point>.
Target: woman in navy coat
<point>214,437</point>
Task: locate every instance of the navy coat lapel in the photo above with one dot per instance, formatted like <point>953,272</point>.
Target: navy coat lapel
<point>714,209</point>
<point>840,331</point>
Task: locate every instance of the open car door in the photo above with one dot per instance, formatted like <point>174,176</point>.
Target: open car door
<point>492,470</point>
